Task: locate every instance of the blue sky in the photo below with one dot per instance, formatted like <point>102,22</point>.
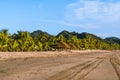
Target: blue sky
<point>100,17</point>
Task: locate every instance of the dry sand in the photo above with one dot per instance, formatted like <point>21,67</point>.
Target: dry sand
<point>63,65</point>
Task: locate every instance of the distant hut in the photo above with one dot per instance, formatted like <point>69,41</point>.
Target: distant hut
<point>60,46</point>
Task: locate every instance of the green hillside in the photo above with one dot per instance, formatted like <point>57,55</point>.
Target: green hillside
<point>43,41</point>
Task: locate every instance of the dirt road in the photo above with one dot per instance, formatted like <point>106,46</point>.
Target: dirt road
<point>80,66</point>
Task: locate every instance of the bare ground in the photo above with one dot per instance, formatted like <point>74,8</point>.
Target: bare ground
<point>64,65</point>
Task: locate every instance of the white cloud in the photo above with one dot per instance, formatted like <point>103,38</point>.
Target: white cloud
<point>92,13</point>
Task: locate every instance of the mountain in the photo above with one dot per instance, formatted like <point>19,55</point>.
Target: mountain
<point>112,40</point>
<point>65,34</point>
<point>83,35</point>
<point>38,33</point>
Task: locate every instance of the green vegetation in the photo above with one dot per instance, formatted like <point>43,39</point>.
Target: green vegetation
<point>42,41</point>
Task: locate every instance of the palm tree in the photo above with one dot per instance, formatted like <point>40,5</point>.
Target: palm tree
<point>25,41</point>
<point>13,45</point>
<point>4,38</point>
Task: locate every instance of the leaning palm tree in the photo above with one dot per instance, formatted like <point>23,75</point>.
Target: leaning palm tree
<point>4,38</point>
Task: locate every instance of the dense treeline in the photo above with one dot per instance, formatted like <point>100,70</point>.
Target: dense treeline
<point>39,41</point>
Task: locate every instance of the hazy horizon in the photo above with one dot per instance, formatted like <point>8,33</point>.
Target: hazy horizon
<point>99,17</point>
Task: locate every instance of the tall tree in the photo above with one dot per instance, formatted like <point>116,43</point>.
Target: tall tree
<point>4,38</point>
<point>25,41</point>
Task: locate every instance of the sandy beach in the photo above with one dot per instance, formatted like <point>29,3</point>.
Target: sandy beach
<point>60,65</point>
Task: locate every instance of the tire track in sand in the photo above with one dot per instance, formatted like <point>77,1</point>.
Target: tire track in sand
<point>77,72</point>
<point>115,61</point>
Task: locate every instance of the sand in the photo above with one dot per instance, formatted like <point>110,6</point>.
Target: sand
<point>63,65</point>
